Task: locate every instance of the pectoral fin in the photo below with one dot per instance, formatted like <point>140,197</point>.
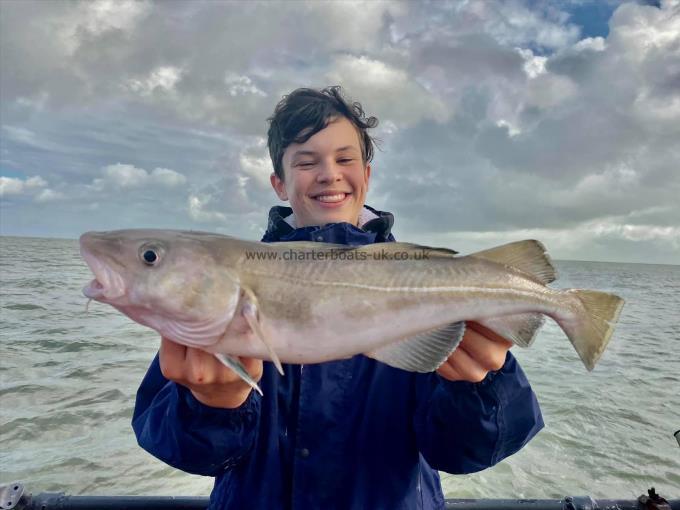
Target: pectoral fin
<point>234,363</point>
<point>424,352</point>
<point>250,313</point>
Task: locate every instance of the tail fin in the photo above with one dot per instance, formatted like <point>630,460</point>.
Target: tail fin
<point>594,325</point>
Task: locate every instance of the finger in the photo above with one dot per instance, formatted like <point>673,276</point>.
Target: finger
<point>171,356</point>
<point>488,353</point>
<point>254,367</point>
<point>201,367</point>
<point>489,334</point>
<point>448,372</point>
<point>466,366</point>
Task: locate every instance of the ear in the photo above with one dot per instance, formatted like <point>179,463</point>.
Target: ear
<point>367,174</point>
<point>279,186</point>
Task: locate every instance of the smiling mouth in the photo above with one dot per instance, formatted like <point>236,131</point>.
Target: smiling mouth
<point>331,198</point>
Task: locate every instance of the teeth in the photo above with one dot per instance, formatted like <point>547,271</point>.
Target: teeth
<point>331,198</point>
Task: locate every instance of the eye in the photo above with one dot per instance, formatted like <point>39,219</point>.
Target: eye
<point>150,255</point>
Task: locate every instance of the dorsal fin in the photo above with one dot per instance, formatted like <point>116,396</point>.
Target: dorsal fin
<point>528,256</point>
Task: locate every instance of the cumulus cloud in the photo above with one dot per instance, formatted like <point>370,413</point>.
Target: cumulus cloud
<point>167,177</point>
<point>241,85</point>
<point>17,186</point>
<point>48,195</point>
<point>162,79</point>
<point>199,209</point>
<point>377,83</point>
<point>559,143</point>
<point>34,187</point>
<point>243,187</point>
<point>99,17</point>
<point>128,176</point>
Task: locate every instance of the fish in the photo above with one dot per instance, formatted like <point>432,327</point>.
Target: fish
<point>306,302</point>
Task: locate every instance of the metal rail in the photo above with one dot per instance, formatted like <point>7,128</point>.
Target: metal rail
<point>13,497</point>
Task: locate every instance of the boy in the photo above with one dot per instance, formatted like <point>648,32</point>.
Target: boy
<point>345,434</point>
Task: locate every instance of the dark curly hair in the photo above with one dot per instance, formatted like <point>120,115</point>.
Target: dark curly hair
<point>304,112</point>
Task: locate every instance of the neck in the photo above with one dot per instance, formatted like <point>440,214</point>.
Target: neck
<point>365,216</point>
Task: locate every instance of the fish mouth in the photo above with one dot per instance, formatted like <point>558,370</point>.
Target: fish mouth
<point>94,289</point>
<point>107,285</point>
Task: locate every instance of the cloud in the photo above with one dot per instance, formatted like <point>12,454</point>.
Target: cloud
<point>163,79</point>
<point>48,195</point>
<point>243,186</point>
<point>123,176</point>
<point>32,187</point>
<point>167,177</point>
<point>241,86</point>
<point>99,17</point>
<point>19,134</point>
<point>560,145</point>
<point>257,168</point>
<point>198,210</point>
<point>16,186</point>
<point>378,83</point>
<point>497,119</point>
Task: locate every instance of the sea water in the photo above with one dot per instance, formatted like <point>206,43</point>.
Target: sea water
<point>69,377</point>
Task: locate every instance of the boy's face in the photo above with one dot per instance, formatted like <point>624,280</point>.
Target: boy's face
<point>325,178</point>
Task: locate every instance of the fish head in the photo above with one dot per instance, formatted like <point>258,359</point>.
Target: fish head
<point>171,281</point>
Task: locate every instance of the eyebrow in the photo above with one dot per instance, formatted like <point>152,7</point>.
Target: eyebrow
<point>314,153</point>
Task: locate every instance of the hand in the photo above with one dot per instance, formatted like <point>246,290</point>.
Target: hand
<point>207,378</point>
<point>480,352</point>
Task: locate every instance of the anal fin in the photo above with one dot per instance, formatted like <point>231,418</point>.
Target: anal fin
<point>521,329</point>
<point>424,352</point>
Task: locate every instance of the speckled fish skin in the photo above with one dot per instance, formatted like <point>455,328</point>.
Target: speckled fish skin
<point>244,298</point>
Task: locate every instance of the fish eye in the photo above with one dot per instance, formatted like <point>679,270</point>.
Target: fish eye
<point>150,255</point>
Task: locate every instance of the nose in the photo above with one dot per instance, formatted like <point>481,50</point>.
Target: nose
<point>329,171</point>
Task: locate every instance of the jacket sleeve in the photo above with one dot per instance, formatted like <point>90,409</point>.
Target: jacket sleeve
<point>463,427</point>
<point>176,428</point>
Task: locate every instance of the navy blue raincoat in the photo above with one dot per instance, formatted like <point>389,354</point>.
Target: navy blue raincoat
<point>349,434</point>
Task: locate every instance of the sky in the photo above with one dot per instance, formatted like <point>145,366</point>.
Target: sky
<point>499,120</point>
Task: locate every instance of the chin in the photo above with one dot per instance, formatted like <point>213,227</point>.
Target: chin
<point>342,219</point>
<point>321,216</point>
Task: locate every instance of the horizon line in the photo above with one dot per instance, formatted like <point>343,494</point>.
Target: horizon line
<point>553,258</point>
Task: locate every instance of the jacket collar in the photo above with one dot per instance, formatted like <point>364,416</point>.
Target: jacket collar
<point>378,223</point>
